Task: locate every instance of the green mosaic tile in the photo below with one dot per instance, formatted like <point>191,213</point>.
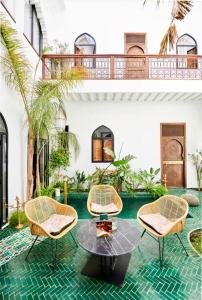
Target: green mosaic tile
<point>180,278</point>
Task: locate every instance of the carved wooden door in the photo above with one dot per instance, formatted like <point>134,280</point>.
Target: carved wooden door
<point>173,154</point>
<point>136,65</point>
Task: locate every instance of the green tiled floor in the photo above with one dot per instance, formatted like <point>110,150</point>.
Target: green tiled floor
<point>179,279</point>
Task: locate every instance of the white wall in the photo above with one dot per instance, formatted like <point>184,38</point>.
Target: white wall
<point>137,126</point>
<point>107,20</point>
<point>11,107</point>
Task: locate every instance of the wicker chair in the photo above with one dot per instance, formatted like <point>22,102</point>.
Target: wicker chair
<point>103,195</point>
<point>40,209</point>
<point>171,208</point>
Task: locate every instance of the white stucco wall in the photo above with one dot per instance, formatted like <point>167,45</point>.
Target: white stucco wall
<point>11,107</point>
<point>107,20</point>
<point>136,125</point>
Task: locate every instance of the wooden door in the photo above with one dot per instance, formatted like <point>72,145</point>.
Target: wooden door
<point>135,67</point>
<point>173,154</point>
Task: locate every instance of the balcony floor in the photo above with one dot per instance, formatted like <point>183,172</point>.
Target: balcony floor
<point>179,279</point>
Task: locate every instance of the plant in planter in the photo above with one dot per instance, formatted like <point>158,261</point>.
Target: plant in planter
<point>122,169</point>
<point>195,239</point>
<point>58,162</point>
<point>77,182</point>
<point>147,180</point>
<point>196,159</point>
<point>13,219</point>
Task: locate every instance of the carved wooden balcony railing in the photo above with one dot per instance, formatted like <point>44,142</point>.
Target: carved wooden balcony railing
<point>119,67</point>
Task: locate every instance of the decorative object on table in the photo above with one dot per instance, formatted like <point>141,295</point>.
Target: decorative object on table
<point>191,199</point>
<point>103,228</point>
<point>18,205</point>
<point>114,225</point>
<point>104,199</point>
<point>49,218</point>
<point>162,217</point>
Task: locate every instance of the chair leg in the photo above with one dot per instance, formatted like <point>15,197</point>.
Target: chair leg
<point>54,254</point>
<point>31,247</point>
<point>182,244</point>
<point>161,252</point>
<point>143,233</point>
<point>73,239</point>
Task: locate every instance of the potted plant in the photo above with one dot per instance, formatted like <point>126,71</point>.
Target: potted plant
<point>197,162</point>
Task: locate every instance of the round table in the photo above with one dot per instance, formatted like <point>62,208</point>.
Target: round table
<point>110,256</point>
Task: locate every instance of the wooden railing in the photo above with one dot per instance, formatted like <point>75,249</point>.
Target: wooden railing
<point>119,67</point>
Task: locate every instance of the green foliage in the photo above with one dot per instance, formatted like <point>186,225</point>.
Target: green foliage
<point>148,177</point>
<point>157,190</point>
<point>196,240</point>
<point>58,160</point>
<point>77,182</point>
<point>13,219</point>
<point>59,184</point>
<point>196,159</point>
<point>47,191</point>
<point>65,139</point>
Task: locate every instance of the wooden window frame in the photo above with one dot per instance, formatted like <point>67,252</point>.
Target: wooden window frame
<point>33,10</point>
<point>103,139</point>
<point>6,134</point>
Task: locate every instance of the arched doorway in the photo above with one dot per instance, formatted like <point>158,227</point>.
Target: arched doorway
<point>3,171</point>
<point>136,64</point>
<point>85,44</point>
<point>187,45</point>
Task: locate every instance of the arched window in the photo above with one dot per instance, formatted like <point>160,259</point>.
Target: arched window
<point>85,44</point>
<point>186,45</point>
<point>3,171</point>
<point>102,138</point>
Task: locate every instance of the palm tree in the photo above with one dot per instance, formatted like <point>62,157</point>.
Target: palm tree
<point>179,11</point>
<point>41,99</point>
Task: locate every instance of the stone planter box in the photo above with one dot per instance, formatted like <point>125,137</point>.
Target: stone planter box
<point>131,204</point>
<point>189,239</point>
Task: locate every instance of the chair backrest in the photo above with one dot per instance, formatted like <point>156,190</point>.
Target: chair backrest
<point>173,207</point>
<point>102,194</point>
<point>40,208</point>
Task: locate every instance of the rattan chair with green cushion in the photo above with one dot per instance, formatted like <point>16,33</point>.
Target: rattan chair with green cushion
<point>104,199</point>
<point>163,217</point>
<point>49,218</point>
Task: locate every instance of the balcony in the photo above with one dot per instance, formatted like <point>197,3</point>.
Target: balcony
<point>124,67</point>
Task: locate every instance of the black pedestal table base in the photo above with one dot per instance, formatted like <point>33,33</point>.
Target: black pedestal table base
<point>109,269</point>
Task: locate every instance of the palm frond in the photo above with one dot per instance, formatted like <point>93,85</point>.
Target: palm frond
<point>72,141</point>
<point>169,39</point>
<point>16,68</point>
<point>181,8</point>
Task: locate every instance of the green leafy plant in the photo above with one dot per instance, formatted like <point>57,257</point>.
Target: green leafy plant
<point>77,182</point>
<point>58,162</point>
<point>47,191</point>
<point>196,159</point>
<point>42,99</point>
<point>13,219</point>
<point>157,190</point>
